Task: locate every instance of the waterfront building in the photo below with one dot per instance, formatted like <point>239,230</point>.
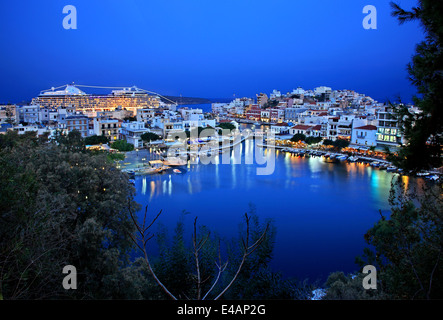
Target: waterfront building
<point>388,129</point>
<point>253,112</point>
<point>300,129</point>
<point>341,127</point>
<point>280,128</point>
<point>364,135</point>
<point>265,115</point>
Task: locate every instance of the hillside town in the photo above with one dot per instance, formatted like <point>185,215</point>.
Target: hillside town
<point>128,113</point>
<point>321,112</point>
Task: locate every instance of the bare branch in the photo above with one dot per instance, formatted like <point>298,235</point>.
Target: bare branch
<point>144,239</point>
<point>247,251</point>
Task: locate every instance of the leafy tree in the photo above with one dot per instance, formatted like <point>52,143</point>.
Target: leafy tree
<point>196,131</point>
<point>408,245</point>
<point>226,125</point>
<point>10,114</point>
<point>349,287</point>
<point>93,140</point>
<point>122,145</point>
<point>313,140</point>
<point>60,206</point>
<point>298,137</point>
<point>328,142</point>
<point>340,144</point>
<point>270,104</point>
<point>423,130</point>
<point>150,136</point>
<point>115,156</point>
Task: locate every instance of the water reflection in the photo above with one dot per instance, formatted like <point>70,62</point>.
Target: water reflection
<point>321,210</point>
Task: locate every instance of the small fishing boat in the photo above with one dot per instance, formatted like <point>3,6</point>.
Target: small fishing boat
<point>352,158</point>
<point>176,171</point>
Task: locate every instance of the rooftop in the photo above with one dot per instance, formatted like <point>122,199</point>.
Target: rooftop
<point>367,127</point>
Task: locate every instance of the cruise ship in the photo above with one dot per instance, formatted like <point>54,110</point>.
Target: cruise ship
<point>131,99</point>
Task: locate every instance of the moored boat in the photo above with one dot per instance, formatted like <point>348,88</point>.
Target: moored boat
<point>383,166</point>
<point>375,163</point>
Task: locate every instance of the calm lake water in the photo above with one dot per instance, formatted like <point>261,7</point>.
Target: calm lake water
<point>321,210</point>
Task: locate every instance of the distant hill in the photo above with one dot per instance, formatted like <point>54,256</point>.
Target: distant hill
<point>186,100</point>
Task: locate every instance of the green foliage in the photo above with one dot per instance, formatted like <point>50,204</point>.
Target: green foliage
<point>225,126</point>
<point>424,130</point>
<point>270,104</point>
<point>408,246</point>
<point>313,140</point>
<point>122,145</point>
<point>298,137</point>
<point>93,140</point>
<point>340,144</point>
<point>73,141</point>
<point>150,136</point>
<point>61,206</point>
<point>116,156</point>
<point>196,131</point>
<point>349,287</point>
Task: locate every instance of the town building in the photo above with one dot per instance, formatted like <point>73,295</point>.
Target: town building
<point>388,129</point>
<point>8,114</point>
<point>364,135</point>
<point>111,128</point>
<point>132,132</point>
<point>78,122</point>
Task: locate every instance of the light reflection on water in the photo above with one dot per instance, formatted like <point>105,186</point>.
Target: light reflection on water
<point>321,210</point>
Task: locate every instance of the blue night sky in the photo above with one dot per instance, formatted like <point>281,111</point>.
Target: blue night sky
<point>205,48</point>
